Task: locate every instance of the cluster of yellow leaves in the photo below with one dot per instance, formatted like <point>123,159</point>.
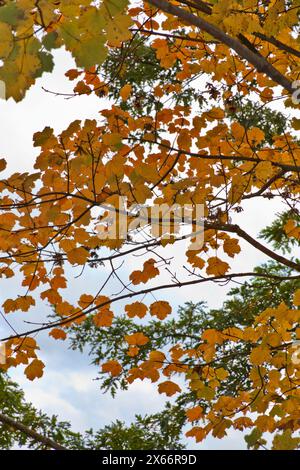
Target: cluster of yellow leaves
<point>23,351</point>
<point>112,367</point>
<point>274,393</point>
<point>292,229</point>
<point>149,271</point>
<point>29,31</point>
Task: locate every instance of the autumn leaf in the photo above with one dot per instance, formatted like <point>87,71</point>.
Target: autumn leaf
<point>169,388</point>
<point>231,247</point>
<point>125,92</point>
<point>149,272</point>
<point>112,367</point>
<point>195,413</point>
<point>35,369</point>
<point>285,441</point>
<point>136,309</point>
<point>78,255</point>
<point>133,351</point>
<point>212,336</point>
<point>198,433</point>
<point>103,318</point>
<point>297,298</point>
<point>86,300</point>
<point>137,339</point>
<point>160,309</point>
<point>57,333</point>
<point>2,164</point>
<point>259,355</point>
<point>157,356</point>
<point>217,267</point>
<point>291,229</point>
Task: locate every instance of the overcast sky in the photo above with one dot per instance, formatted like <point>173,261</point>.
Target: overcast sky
<point>67,387</point>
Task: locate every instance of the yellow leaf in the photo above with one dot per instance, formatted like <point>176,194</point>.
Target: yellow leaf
<point>57,333</point>
<point>137,309</point>
<point>35,369</point>
<point>231,247</point>
<point>137,339</point>
<point>78,255</point>
<point>291,229</point>
<point>297,298</point>
<point>160,309</point>
<point>255,135</point>
<point>118,30</point>
<point>125,92</point>
<point>112,367</point>
<point>259,355</point>
<point>217,267</point>
<point>221,373</point>
<point>169,388</point>
<point>212,336</point>
<point>195,413</point>
<point>239,185</point>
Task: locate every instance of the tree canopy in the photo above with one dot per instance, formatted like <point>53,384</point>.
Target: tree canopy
<point>185,92</point>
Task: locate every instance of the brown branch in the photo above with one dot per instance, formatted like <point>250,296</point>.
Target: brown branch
<point>80,314</point>
<point>30,433</point>
<point>226,157</point>
<point>278,44</point>
<point>256,244</point>
<point>205,8</point>
<point>265,186</point>
<point>259,62</point>
<point>150,32</point>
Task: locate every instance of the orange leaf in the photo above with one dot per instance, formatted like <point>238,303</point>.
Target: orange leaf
<point>125,92</point>
<point>57,333</point>
<point>231,247</point>
<point>112,367</point>
<point>78,255</point>
<point>194,413</point>
<point>137,339</point>
<point>160,309</point>
<point>198,433</point>
<point>35,369</point>
<point>137,309</point>
<point>169,388</point>
<point>103,318</point>
<point>157,356</point>
<point>86,300</point>
<point>133,351</point>
<point>149,272</point>
<point>217,267</point>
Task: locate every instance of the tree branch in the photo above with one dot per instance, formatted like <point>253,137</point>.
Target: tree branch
<point>30,432</point>
<point>80,314</point>
<point>259,246</point>
<point>259,62</point>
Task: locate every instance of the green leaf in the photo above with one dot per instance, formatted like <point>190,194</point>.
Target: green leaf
<point>51,41</point>
<point>11,14</point>
<point>47,63</point>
